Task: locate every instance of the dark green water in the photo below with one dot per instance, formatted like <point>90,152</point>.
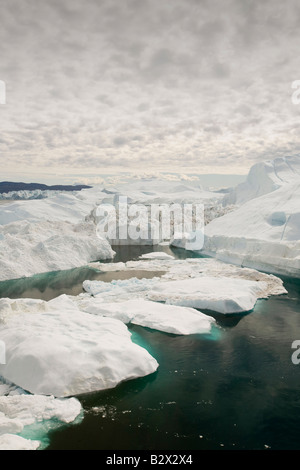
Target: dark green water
<point>49,285</point>
<point>234,389</point>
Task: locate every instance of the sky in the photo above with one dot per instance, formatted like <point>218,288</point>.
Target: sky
<point>99,87</point>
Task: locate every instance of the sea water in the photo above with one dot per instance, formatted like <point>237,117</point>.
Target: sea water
<point>236,388</point>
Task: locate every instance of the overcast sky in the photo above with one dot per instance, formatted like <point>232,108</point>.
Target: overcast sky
<point>99,86</point>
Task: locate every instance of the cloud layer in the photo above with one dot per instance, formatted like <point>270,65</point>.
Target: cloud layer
<point>106,85</point>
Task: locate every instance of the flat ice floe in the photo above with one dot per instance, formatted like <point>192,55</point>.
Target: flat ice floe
<point>53,348</point>
<point>196,283</point>
<point>162,317</point>
<point>220,294</point>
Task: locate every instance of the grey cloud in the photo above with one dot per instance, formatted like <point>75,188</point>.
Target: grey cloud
<point>113,83</point>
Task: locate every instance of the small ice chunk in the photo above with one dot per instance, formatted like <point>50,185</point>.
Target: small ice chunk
<point>13,442</point>
<point>157,255</point>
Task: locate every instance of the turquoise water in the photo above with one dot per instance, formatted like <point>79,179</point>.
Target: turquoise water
<point>234,389</point>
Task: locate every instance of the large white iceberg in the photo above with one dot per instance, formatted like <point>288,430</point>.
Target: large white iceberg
<point>51,234</point>
<point>70,207</point>
<point>263,178</point>
<point>56,349</point>
<point>28,248</point>
<point>264,232</point>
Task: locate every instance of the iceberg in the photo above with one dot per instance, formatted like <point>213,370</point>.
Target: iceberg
<point>176,269</point>
<point>60,232</point>
<point>53,348</point>
<point>15,442</point>
<point>162,317</point>
<point>195,283</point>
<point>20,411</point>
<point>70,207</point>
<point>28,248</point>
<point>157,255</point>
<point>221,294</point>
<point>190,241</point>
<point>263,178</point>
<point>149,212</point>
<point>38,236</point>
<point>264,232</point>
<point>119,289</point>
<point>261,229</point>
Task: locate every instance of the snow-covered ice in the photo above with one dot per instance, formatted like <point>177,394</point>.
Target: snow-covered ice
<point>15,442</point>
<point>60,232</point>
<point>220,294</point>
<point>28,248</point>
<point>197,283</point>
<point>192,241</point>
<point>156,255</point>
<point>263,178</point>
<point>74,345</point>
<point>70,207</point>
<point>181,269</point>
<point>56,349</point>
<point>20,411</point>
<point>38,236</point>
<point>146,215</point>
<point>264,232</point>
<point>162,317</point>
<point>122,289</point>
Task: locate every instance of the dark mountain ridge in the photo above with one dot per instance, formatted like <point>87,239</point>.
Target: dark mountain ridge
<point>7,186</point>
